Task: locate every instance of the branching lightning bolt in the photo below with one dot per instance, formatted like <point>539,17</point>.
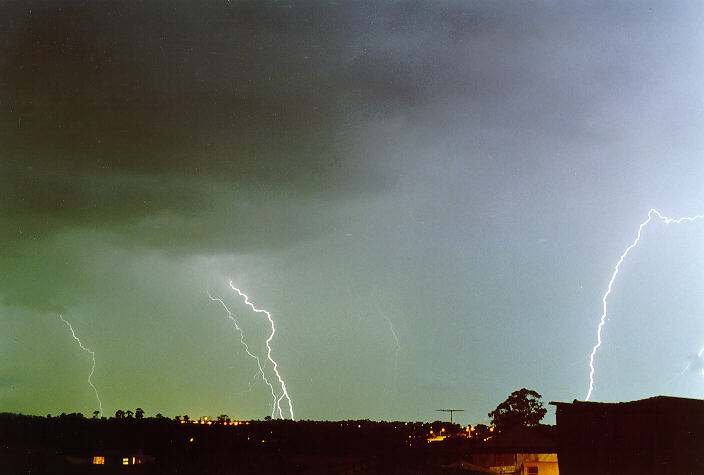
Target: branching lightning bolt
<point>246,348</point>
<point>602,321</point>
<point>92,369</point>
<point>275,366</point>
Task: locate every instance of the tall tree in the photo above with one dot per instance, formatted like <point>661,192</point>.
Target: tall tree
<point>523,408</point>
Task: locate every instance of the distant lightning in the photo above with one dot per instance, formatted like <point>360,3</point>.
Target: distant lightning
<point>602,321</point>
<point>246,348</point>
<point>696,364</point>
<point>394,335</point>
<point>253,380</point>
<point>275,366</point>
<point>92,369</point>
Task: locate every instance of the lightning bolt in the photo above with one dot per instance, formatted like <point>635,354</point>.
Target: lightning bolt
<point>394,335</point>
<point>92,369</point>
<point>246,348</point>
<point>275,366</point>
<point>652,213</point>
<point>696,364</point>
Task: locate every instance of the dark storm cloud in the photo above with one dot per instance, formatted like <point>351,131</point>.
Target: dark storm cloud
<point>241,91</point>
<point>117,112</point>
<point>230,127</point>
<point>238,126</point>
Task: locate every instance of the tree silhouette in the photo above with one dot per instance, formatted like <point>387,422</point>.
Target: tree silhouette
<point>96,414</point>
<point>223,418</point>
<point>522,408</point>
<point>139,413</point>
<point>119,414</point>
<point>129,414</point>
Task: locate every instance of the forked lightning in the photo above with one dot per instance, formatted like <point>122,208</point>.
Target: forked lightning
<point>275,366</point>
<point>92,369</point>
<point>652,213</point>
<point>246,348</point>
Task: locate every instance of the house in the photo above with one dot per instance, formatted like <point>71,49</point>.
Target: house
<point>517,451</point>
<point>659,435</point>
<point>110,458</point>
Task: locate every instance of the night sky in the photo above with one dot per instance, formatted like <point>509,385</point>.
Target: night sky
<point>428,196</point>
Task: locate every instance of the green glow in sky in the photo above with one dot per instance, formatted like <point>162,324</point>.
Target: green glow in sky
<point>429,197</point>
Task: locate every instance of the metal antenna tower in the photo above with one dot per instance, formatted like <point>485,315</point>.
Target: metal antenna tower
<point>451,411</point>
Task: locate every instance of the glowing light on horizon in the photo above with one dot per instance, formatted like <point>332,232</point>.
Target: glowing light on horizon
<point>275,366</point>
<point>92,369</point>
<point>617,268</point>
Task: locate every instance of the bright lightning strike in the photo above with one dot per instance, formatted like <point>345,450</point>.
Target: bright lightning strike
<point>275,366</point>
<point>92,369</point>
<point>602,321</point>
<point>246,348</point>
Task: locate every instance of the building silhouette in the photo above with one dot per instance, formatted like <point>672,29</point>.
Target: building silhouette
<point>660,435</point>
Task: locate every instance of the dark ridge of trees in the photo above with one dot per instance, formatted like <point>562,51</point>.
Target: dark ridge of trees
<point>35,444</point>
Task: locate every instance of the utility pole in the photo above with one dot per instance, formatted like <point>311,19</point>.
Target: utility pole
<point>451,411</point>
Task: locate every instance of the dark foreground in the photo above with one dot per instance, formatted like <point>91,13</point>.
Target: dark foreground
<point>74,444</point>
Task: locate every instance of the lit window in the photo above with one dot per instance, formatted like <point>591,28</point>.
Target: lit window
<point>98,460</point>
<point>532,470</point>
<point>125,461</point>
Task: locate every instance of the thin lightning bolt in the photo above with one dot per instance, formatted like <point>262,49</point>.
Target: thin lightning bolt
<point>394,335</point>
<point>92,369</point>
<point>697,365</point>
<point>246,348</point>
<point>602,321</point>
<point>275,366</point>
<point>252,380</point>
